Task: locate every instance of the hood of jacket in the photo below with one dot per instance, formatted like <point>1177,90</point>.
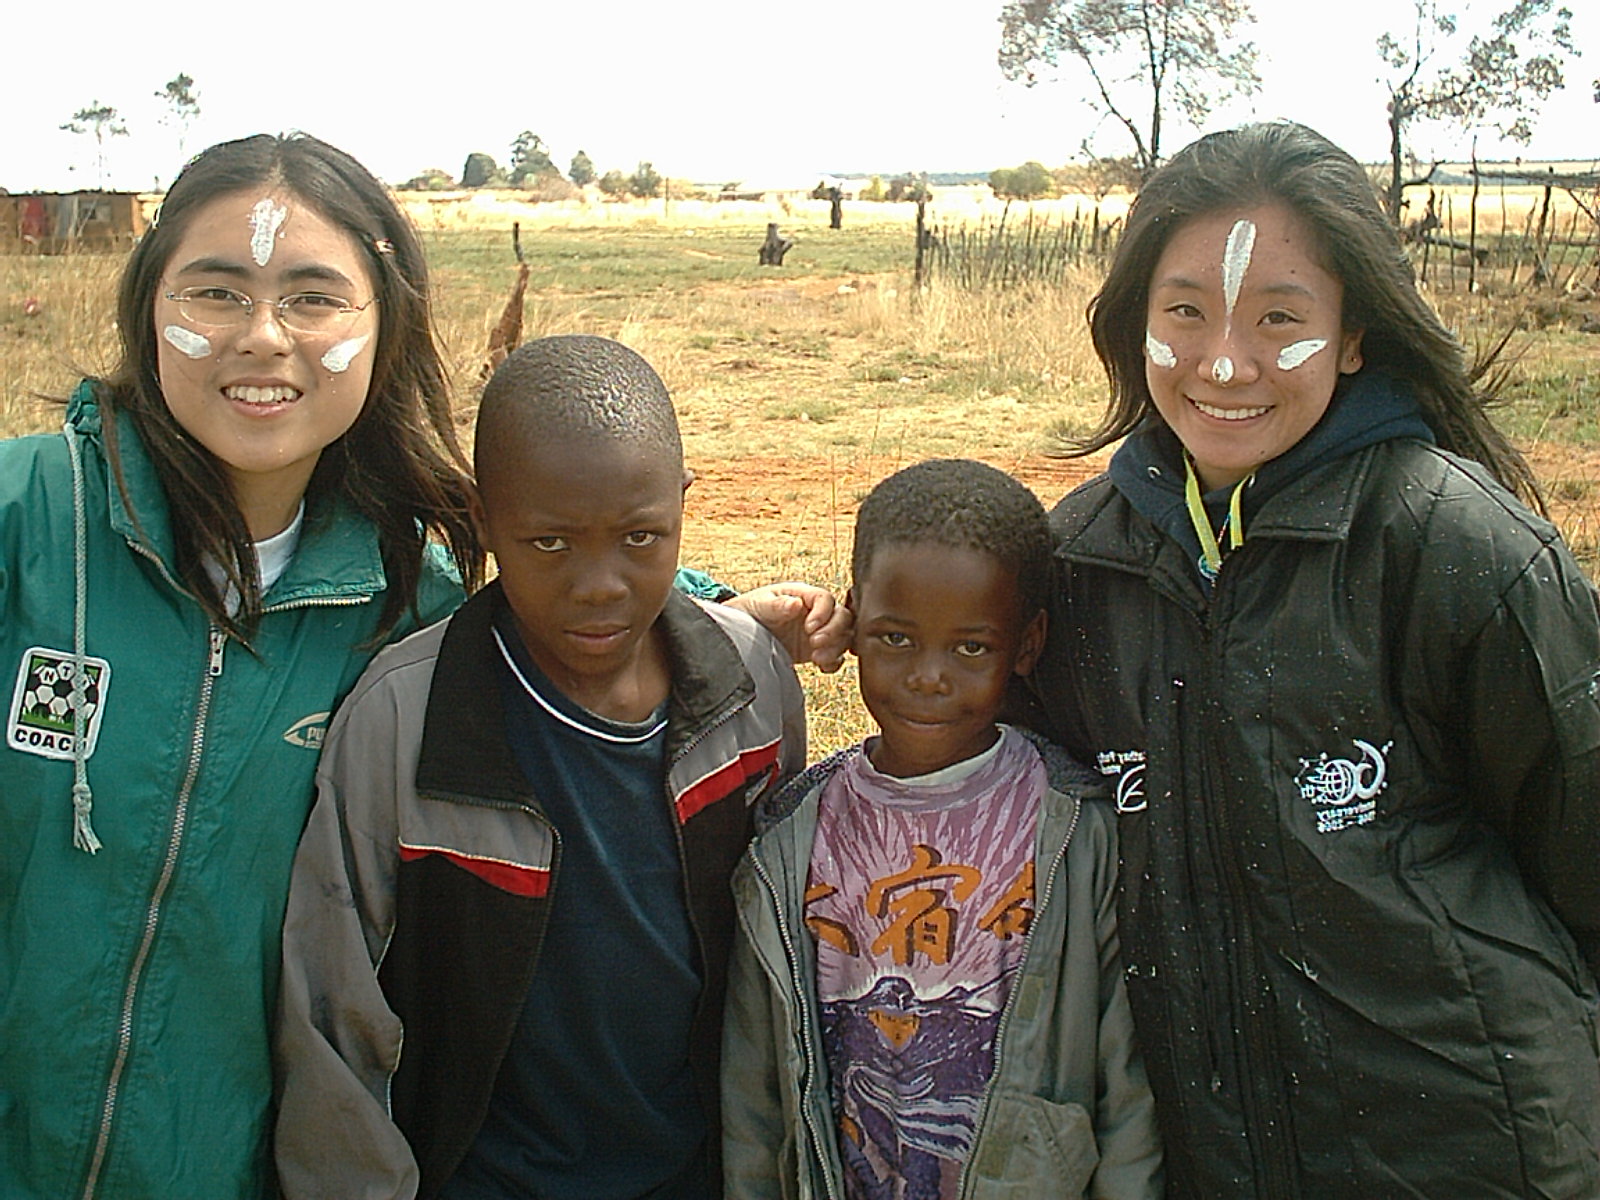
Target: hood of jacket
<point>1367,407</point>
<point>338,555</point>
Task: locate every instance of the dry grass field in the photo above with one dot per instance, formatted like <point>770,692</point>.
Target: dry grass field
<point>801,386</point>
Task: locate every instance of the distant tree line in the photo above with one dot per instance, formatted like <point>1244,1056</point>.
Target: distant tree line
<point>1094,177</point>
<point>530,168</point>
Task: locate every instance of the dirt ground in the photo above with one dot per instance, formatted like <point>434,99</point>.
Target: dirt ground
<point>756,513</point>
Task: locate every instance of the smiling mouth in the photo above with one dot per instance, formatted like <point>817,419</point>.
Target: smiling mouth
<point>1230,414</point>
<point>248,394</point>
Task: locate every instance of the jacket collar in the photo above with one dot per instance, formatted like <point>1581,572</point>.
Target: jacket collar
<point>786,822</point>
<point>1295,496</point>
<point>465,754</point>
<point>338,557</point>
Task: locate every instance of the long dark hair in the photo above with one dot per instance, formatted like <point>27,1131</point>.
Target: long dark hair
<point>1292,165</point>
<point>400,465</point>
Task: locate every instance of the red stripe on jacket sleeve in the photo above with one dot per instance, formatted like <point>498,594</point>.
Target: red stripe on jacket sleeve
<point>725,778</point>
<point>508,877</point>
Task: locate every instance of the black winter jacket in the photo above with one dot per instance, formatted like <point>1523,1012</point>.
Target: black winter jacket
<point>1359,793</point>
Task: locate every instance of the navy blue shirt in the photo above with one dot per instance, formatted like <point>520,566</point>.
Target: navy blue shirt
<point>595,1099</point>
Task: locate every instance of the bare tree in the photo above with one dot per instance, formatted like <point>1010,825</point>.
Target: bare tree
<point>183,106</point>
<point>1499,80</point>
<point>1143,56</point>
<point>103,121</point>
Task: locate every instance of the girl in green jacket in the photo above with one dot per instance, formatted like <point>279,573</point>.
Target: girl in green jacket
<point>192,573</point>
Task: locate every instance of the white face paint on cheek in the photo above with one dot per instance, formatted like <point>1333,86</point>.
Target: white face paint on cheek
<point>266,218</point>
<point>1292,355</point>
<point>187,341</point>
<point>1160,353</point>
<point>338,357</point>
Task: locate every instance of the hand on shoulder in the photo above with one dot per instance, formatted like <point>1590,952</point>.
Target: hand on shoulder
<point>805,618</point>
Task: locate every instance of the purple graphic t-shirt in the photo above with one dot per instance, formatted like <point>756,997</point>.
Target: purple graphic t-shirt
<point>919,900</point>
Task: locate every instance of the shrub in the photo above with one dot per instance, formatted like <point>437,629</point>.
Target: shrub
<point>432,179</point>
<point>645,181</point>
<point>1030,181</point>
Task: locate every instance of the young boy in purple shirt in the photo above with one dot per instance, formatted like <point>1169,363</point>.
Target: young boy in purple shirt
<point>926,996</point>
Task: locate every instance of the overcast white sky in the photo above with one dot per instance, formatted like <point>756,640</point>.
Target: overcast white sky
<point>711,90</point>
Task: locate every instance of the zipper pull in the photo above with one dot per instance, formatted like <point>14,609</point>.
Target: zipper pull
<point>218,640</point>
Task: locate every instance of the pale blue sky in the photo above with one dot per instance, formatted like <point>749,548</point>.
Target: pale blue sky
<point>713,91</point>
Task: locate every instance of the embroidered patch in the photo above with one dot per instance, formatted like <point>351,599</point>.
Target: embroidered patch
<point>308,731</point>
<point>41,704</point>
<point>1343,792</point>
<point>1127,766</point>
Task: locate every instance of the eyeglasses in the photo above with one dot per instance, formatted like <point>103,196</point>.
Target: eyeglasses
<point>303,312</point>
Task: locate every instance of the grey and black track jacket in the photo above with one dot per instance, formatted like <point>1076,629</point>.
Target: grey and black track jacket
<point>422,886</point>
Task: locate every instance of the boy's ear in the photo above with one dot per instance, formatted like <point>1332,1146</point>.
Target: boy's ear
<point>850,603</point>
<point>688,479</point>
<point>1032,643</point>
<point>475,510</point>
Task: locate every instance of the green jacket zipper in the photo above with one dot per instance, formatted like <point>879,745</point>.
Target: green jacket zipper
<point>152,921</point>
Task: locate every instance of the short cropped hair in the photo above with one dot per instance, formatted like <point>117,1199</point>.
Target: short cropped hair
<point>575,387</point>
<point>965,505</point>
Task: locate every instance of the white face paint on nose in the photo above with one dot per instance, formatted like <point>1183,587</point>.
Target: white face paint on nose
<point>1222,369</point>
<point>187,341</point>
<point>266,218</point>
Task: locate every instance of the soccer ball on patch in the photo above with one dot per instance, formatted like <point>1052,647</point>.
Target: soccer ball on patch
<point>50,697</point>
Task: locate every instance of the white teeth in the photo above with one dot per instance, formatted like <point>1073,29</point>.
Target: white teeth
<point>1230,414</point>
<point>260,395</point>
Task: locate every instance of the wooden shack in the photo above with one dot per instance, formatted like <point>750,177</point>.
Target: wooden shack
<point>61,222</point>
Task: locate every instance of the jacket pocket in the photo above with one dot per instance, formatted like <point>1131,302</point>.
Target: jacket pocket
<point>1032,1148</point>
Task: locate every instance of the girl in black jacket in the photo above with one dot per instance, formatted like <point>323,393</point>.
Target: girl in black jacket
<point>1348,688</point>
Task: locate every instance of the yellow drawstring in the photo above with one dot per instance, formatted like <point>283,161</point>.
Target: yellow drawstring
<point>1233,526</point>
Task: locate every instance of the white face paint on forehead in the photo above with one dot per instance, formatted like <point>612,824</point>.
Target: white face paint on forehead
<point>338,357</point>
<point>266,218</point>
<point>1292,355</point>
<point>1160,353</point>
<point>1236,261</point>
<point>187,341</point>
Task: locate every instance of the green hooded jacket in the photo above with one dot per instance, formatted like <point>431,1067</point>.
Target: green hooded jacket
<point>137,982</point>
